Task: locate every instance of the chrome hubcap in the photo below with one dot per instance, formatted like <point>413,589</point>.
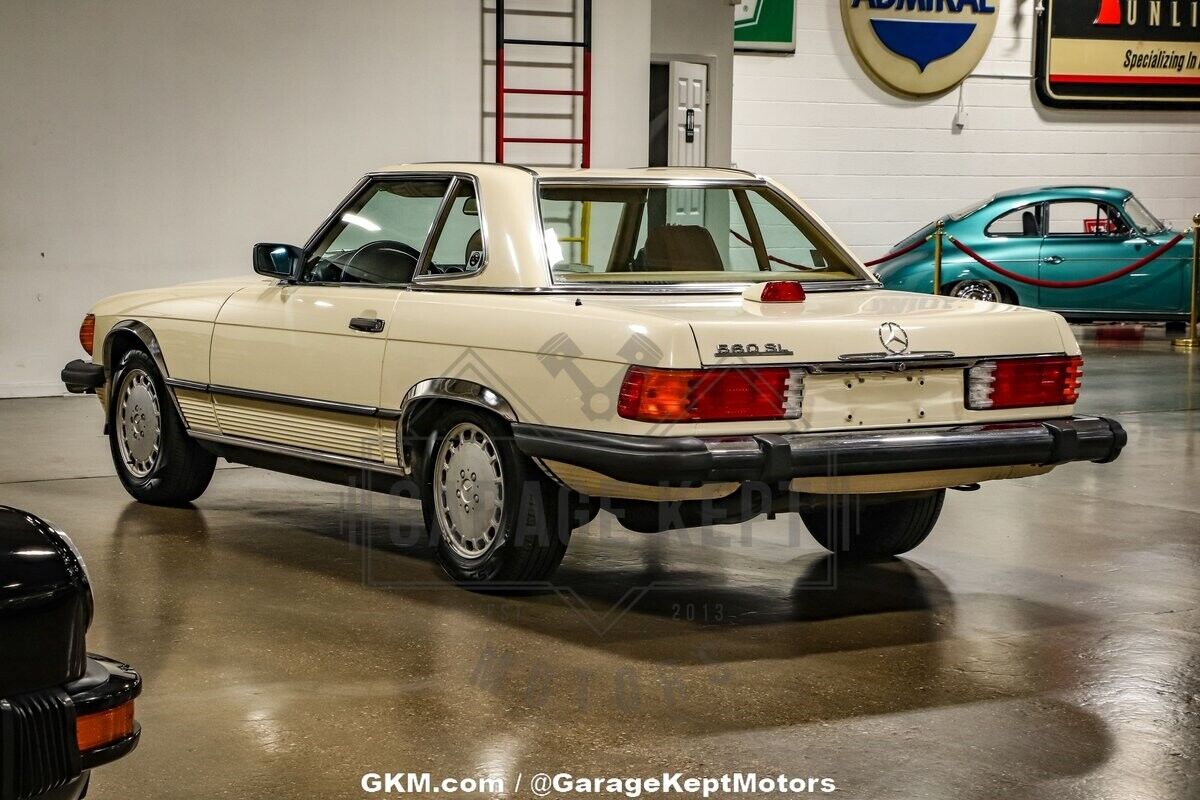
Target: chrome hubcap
<point>977,290</point>
<point>469,490</point>
<point>139,423</point>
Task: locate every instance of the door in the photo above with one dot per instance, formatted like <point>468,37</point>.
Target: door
<point>687,137</point>
<point>1088,239</point>
<point>301,364</point>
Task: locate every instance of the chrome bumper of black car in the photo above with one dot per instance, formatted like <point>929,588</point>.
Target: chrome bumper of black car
<point>39,752</point>
<point>775,458</point>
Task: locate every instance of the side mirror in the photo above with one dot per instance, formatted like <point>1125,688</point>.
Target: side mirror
<point>278,260</point>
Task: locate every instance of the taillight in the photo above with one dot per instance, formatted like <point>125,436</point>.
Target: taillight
<point>711,395</point>
<point>93,731</point>
<point>1024,382</point>
<point>87,333</point>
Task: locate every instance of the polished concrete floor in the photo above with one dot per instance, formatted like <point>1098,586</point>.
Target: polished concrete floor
<point>1043,643</point>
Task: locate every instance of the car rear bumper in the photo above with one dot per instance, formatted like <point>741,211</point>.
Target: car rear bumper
<point>774,458</point>
<point>81,376</point>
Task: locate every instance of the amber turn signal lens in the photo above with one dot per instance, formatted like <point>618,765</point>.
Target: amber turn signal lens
<point>93,731</point>
<point>87,333</point>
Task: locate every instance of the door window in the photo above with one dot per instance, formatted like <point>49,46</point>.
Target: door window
<point>1085,218</point>
<point>457,247</point>
<point>379,236</point>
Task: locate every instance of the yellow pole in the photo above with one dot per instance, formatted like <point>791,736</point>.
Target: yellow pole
<point>938,233</point>
<point>586,231</point>
<point>1192,342</point>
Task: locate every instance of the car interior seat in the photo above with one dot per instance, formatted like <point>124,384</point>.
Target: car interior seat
<point>1029,225</point>
<point>681,248</point>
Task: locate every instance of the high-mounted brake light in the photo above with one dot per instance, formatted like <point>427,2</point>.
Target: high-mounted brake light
<point>93,731</point>
<point>1024,382</point>
<point>775,292</point>
<point>711,395</point>
<point>87,333</point>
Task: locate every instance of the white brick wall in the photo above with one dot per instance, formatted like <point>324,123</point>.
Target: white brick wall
<point>877,167</point>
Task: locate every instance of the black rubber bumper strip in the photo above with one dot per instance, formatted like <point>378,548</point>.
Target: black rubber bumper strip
<point>773,458</point>
<point>81,376</point>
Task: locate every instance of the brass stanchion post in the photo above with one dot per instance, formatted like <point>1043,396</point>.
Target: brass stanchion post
<point>938,233</point>
<point>1192,342</point>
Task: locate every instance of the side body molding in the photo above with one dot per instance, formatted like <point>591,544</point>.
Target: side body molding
<point>456,389</point>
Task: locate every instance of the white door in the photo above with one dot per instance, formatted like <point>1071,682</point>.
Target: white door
<point>688,121</point>
<point>687,134</point>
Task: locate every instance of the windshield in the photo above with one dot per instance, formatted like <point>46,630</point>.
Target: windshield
<point>657,234</point>
<point>1141,217</point>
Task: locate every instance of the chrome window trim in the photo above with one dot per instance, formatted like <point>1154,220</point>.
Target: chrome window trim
<point>626,288</point>
<point>757,182</point>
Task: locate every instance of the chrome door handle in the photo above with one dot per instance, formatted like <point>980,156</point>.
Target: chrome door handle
<point>367,324</point>
<point>1052,260</point>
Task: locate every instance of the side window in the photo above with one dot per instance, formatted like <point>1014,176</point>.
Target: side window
<point>379,237</point>
<point>1085,218</point>
<point>458,245</point>
<point>1019,222</point>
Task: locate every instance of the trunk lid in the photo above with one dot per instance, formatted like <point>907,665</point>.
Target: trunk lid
<point>731,330</point>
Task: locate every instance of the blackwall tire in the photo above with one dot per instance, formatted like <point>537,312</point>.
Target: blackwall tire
<point>869,529</point>
<point>497,520</point>
<point>156,461</point>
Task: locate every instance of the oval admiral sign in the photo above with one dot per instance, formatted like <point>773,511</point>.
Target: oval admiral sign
<point>919,47</point>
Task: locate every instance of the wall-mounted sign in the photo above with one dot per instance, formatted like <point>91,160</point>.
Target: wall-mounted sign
<point>765,25</point>
<point>919,47</point>
<point>1119,53</point>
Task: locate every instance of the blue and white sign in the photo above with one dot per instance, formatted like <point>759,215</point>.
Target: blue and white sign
<point>919,47</point>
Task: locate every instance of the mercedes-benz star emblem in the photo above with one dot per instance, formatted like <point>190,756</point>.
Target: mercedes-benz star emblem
<point>894,338</point>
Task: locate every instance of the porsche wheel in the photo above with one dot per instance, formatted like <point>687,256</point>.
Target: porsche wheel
<point>871,528</point>
<point>494,514</point>
<point>978,289</point>
<point>157,462</point>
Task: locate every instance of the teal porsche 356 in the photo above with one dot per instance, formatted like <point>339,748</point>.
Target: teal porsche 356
<point>1057,234</point>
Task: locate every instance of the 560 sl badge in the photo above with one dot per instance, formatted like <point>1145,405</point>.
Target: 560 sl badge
<point>768,349</point>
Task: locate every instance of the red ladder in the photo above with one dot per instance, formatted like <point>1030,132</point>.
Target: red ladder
<point>585,138</point>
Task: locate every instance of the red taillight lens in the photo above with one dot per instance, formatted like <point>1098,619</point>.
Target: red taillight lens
<point>104,727</point>
<point>1024,382</point>
<point>783,292</point>
<point>87,333</point>
<point>710,395</point>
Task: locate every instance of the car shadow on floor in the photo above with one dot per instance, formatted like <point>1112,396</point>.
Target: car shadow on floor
<point>836,641</point>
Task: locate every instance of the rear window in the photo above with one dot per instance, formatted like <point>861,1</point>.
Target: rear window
<point>659,234</point>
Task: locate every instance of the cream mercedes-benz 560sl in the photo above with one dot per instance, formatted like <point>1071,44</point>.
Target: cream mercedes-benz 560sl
<point>522,348</point>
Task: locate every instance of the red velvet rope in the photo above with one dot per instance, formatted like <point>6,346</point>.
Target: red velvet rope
<point>895,253</point>
<point>1112,276</point>
<point>770,257</point>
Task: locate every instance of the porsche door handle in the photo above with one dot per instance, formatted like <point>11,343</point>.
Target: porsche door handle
<point>1053,260</point>
<point>367,324</point>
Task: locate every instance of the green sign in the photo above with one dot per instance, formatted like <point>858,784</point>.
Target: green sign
<point>765,25</point>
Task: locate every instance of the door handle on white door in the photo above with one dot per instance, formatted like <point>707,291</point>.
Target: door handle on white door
<point>1052,260</point>
<point>366,324</point>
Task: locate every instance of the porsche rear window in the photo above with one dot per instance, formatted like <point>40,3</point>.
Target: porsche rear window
<point>663,234</point>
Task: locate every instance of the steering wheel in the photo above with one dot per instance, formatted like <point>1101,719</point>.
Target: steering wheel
<point>383,261</point>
